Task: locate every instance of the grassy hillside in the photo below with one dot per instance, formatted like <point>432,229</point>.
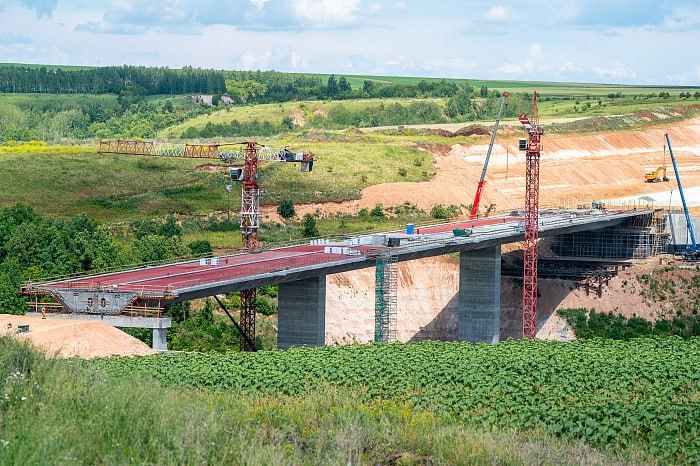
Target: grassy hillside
<point>56,412</point>
<point>66,180</point>
<point>302,111</point>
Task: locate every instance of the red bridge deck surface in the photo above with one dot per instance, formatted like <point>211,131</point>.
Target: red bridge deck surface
<point>467,224</point>
<point>163,279</point>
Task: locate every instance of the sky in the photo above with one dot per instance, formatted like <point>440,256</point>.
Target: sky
<point>654,42</point>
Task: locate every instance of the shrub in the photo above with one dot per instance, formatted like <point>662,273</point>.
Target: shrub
<point>286,209</point>
<point>377,211</point>
<point>309,226</point>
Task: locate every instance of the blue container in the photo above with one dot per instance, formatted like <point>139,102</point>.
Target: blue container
<point>409,229</point>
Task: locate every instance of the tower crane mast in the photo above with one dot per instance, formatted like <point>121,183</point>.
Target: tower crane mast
<point>251,155</point>
<point>482,180</point>
<point>533,147</point>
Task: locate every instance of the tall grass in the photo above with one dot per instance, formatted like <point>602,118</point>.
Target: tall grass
<point>64,412</point>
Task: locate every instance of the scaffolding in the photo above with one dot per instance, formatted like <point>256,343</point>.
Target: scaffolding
<point>386,281</point>
<point>637,238</point>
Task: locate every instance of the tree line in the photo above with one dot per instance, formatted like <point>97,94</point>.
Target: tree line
<point>35,246</point>
<point>242,86</point>
<point>110,80</point>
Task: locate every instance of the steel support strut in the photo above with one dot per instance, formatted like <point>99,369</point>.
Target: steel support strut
<point>244,335</point>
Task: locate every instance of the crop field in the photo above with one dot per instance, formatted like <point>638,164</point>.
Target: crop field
<point>59,412</point>
<point>546,88</point>
<point>610,394</point>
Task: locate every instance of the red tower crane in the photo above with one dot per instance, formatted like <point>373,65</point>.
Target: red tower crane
<point>533,147</point>
<point>250,195</point>
<point>482,181</point>
<point>250,218</point>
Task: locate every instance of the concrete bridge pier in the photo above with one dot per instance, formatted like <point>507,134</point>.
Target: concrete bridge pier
<point>160,341</point>
<point>479,311</point>
<point>302,313</point>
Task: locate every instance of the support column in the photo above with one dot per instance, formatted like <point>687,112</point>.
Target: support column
<point>479,317</point>
<point>160,342</point>
<point>302,313</point>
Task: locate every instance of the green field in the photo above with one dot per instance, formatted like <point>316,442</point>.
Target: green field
<point>50,67</point>
<point>610,394</point>
<point>68,412</point>
<point>544,87</point>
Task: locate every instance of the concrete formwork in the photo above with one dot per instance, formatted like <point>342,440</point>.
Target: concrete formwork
<point>302,313</point>
<point>479,311</point>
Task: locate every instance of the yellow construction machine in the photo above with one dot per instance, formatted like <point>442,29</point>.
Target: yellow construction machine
<point>656,176</point>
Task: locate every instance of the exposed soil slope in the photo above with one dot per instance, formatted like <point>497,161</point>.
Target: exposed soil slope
<point>575,169</point>
<point>428,297</point>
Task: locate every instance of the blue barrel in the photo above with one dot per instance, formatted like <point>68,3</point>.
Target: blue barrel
<point>409,229</point>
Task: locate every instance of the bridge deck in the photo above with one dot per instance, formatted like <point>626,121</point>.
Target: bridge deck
<point>192,279</point>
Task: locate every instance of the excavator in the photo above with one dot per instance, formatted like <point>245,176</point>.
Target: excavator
<point>657,175</point>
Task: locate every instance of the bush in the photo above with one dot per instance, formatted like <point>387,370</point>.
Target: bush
<point>264,306</point>
<point>200,247</point>
<point>377,211</point>
<point>441,212</point>
<point>286,209</point>
<point>309,229</point>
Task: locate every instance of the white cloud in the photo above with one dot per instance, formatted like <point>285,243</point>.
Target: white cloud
<point>690,78</point>
<point>42,8</point>
<point>451,67</point>
<point>535,52</point>
<point>400,6</point>
<point>277,58</point>
<point>259,4</point>
<point>326,12</point>
<point>497,13</point>
<point>682,18</point>
<point>255,61</point>
<point>374,8</point>
<point>569,68</point>
<point>617,71</point>
<point>528,66</point>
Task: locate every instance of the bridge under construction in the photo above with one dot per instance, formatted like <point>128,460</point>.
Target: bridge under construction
<point>137,297</point>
